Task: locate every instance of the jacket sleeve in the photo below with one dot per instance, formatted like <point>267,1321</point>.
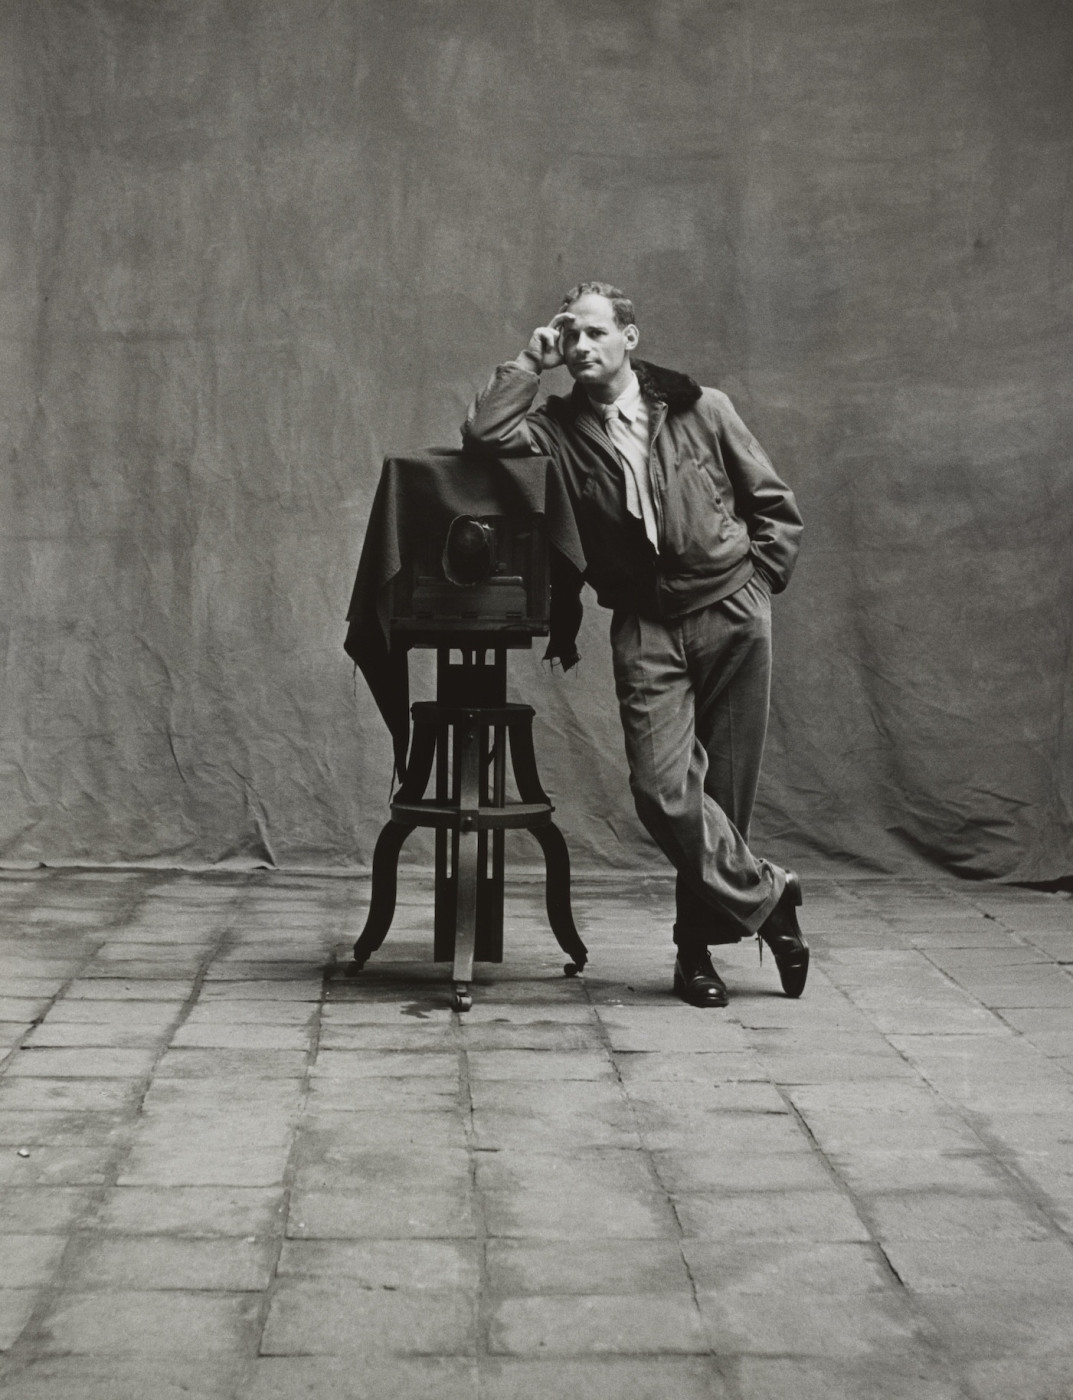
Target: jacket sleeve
<point>498,418</point>
<point>762,499</point>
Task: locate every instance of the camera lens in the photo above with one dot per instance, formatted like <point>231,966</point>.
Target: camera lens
<point>468,556</point>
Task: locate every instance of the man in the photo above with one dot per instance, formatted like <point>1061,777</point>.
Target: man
<point>687,530</point>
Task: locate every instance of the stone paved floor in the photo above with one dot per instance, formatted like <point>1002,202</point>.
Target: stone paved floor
<point>229,1170</point>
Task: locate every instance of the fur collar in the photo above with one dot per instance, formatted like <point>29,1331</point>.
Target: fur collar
<point>658,385</point>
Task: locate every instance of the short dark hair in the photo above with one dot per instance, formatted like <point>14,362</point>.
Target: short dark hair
<point>621,305</point>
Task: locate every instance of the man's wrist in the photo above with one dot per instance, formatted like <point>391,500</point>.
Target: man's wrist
<point>527,360</point>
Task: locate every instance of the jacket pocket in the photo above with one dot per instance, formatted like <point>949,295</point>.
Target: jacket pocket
<point>697,525</point>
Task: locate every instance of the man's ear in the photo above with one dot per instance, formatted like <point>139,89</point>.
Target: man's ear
<point>633,335</point>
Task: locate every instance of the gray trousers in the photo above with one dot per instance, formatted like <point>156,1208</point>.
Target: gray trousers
<point>693,697</point>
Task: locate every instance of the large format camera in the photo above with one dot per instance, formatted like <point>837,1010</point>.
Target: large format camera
<point>487,575</point>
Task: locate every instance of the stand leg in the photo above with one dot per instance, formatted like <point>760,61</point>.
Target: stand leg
<point>470,764</point>
<point>560,915</point>
<point>383,889</point>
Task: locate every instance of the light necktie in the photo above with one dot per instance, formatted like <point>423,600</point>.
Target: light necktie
<point>635,470</point>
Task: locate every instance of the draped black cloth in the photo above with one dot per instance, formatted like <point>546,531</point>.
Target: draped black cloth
<point>418,495</point>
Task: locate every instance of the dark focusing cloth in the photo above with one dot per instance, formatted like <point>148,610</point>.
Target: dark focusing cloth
<point>420,494</point>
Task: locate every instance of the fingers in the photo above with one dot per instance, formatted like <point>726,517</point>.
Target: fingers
<point>564,318</point>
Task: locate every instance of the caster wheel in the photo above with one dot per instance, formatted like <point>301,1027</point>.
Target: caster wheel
<point>571,969</point>
<point>355,967</point>
<point>462,999</point>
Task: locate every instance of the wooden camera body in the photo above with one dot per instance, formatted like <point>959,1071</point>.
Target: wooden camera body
<point>484,579</point>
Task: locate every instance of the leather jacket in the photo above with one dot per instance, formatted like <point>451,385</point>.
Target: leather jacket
<point>723,512</point>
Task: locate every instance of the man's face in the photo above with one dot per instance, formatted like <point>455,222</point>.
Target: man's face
<point>594,347</point>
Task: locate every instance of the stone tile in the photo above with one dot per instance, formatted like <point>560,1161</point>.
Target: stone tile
<point>72,1034</point>
<point>119,1322</point>
<point>439,1265</point>
<point>246,1064</point>
<point>338,1317</point>
<point>820,1067</point>
<point>885,1170</point>
<point>1022,1268</point>
<point>174,991</point>
<point>845,1133</point>
<point>683,1172</point>
<point>340,1152</point>
<point>189,956</point>
<point>959,962</point>
<point>539,1065</point>
<point>45,1377</point>
<point>436,1213</point>
<point>281,989</point>
<point>191,1211</point>
<point>256,1101</point>
<point>34,1127</point>
<point>544,1212</point>
<point>376,1378</point>
<point>243,1035</point>
<point>565,1037</point>
<point>824,1216</point>
<point>730,1133</point>
<point>368,1037</point>
<point>596,1324</point>
<point>911,1375</point>
<point>657,1101</point>
<point>235,1013</point>
<point>55,1165</point>
<point>44,988</point>
<point>26,965</point>
<point>980,1324</point>
<point>16,1307</point>
<point>82,1063</point>
<point>784,1268</point>
<point>364,1098</point>
<point>549,1099</point>
<point>873,1325</point>
<point>1045,1378</point>
<point>398,1064</point>
<point>30,1260</point>
<point>201,1162</point>
<point>44,1210</point>
<point>954,1215</point>
<point>22,1010</point>
<point>144,1015</point>
<point>159,1262</point>
<point>576,1267</point>
<point>603,1378</point>
<point>674,1028</point>
<point>715,1067</point>
<point>912,1098</point>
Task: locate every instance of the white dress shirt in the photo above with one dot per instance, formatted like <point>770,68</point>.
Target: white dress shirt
<point>626,422</point>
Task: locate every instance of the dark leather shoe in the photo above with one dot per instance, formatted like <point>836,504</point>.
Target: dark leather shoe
<point>782,934</point>
<point>696,980</point>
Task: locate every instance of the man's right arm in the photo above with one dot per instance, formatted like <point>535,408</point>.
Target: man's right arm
<point>497,418</point>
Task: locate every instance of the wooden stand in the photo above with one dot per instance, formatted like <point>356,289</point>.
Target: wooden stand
<point>465,734</point>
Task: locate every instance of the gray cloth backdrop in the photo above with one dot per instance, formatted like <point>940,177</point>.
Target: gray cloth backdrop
<point>250,246</point>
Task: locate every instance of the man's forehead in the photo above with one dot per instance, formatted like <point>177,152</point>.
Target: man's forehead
<point>591,308</point>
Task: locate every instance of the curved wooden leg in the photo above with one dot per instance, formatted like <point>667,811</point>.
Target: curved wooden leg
<point>560,915</point>
<point>469,757</point>
<point>382,890</point>
<point>524,760</point>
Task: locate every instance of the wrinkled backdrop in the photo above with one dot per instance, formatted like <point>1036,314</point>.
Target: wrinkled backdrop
<point>250,246</point>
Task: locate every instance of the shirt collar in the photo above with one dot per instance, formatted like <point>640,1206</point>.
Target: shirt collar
<point>627,405</point>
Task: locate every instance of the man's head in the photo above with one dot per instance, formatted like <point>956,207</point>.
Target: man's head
<point>598,334</point>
